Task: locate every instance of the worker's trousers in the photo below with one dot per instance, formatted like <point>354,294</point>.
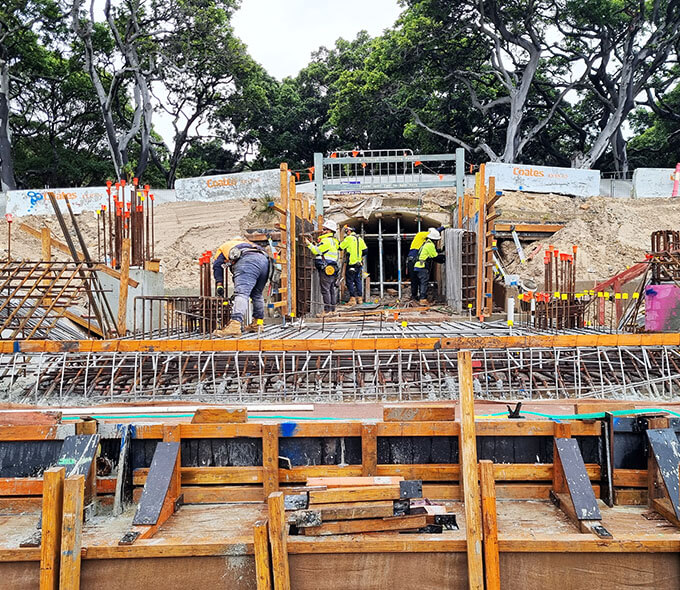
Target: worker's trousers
<point>419,280</point>
<point>329,291</point>
<point>354,279</point>
<point>250,274</point>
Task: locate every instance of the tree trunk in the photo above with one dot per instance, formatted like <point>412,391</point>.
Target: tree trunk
<point>7,181</point>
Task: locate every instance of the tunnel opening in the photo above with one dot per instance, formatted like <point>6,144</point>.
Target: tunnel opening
<point>388,262</point>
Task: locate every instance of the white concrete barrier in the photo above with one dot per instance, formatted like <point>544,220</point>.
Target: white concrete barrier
<point>37,201</point>
<point>225,187</point>
<point>652,182</point>
<point>545,179</point>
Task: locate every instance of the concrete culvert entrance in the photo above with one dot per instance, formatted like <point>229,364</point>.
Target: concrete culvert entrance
<point>388,237</point>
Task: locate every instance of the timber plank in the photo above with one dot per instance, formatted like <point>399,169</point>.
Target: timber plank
<point>71,532</point>
<point>370,525</point>
<point>359,494</point>
<point>473,516</point>
<point>50,542</point>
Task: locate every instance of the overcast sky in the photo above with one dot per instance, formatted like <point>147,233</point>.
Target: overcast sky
<point>282,34</point>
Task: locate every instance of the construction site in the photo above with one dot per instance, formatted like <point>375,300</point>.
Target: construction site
<point>514,425</point>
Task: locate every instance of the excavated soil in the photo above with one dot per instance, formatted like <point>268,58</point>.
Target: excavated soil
<point>611,234</point>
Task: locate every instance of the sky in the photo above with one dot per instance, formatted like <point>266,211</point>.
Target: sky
<point>282,34</point>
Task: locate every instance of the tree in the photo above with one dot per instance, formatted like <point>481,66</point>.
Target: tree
<point>21,23</point>
<point>116,56</point>
<point>622,46</point>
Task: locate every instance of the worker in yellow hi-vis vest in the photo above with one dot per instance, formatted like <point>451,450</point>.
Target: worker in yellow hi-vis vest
<point>423,264</point>
<point>355,247</point>
<point>326,254</point>
<point>414,248</point>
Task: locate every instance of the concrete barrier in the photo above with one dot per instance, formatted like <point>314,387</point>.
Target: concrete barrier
<point>225,187</point>
<point>652,182</point>
<point>545,179</point>
<point>37,202</point>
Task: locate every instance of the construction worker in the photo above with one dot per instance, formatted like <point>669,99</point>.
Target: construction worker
<point>355,247</point>
<point>414,248</point>
<point>326,254</point>
<point>249,266</point>
<point>421,267</point>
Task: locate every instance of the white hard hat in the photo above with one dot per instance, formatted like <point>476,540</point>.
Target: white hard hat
<point>433,234</point>
<point>330,225</point>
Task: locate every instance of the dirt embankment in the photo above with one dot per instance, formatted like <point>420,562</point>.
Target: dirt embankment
<point>183,232</point>
<point>611,234</point>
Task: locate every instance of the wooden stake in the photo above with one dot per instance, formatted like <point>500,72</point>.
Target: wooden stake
<point>123,293</point>
<point>50,544</point>
<point>369,450</point>
<point>278,538</point>
<point>71,533</point>
<point>263,570</point>
<point>490,525</point>
<point>46,240</point>
<point>562,430</point>
<point>473,517</point>
<point>292,255</point>
<point>270,458</point>
<point>172,433</point>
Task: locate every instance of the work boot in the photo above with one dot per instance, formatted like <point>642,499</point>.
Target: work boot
<point>233,328</point>
<point>423,302</point>
<point>352,301</point>
<point>252,327</point>
<point>360,301</point>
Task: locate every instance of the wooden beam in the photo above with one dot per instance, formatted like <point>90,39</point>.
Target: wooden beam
<point>562,430</point>
<point>352,482</point>
<point>468,447</point>
<point>278,539</point>
<point>72,532</point>
<point>490,526</point>
<point>38,234</point>
<point>357,344</point>
<point>46,244</point>
<point>123,291</point>
<point>369,449</point>
<point>406,413</point>
<point>532,228</point>
<point>50,542</point>
<point>270,458</point>
<point>355,510</point>
<point>358,494</point>
<point>263,571</point>
<point>369,525</point>
<point>220,416</point>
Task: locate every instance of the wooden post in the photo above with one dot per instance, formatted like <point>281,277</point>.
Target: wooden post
<point>292,255</point>
<point>71,533</point>
<point>171,433</point>
<point>263,570</point>
<point>490,525</point>
<point>369,450</point>
<point>46,242</point>
<point>489,220</point>
<point>562,430</point>
<point>284,238</point>
<point>270,458</point>
<point>278,538</point>
<point>468,445</point>
<point>50,543</point>
<point>481,244</point>
<point>123,292</point>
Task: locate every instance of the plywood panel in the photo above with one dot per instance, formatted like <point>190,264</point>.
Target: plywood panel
<point>172,573</point>
<point>585,571</point>
<point>377,571</point>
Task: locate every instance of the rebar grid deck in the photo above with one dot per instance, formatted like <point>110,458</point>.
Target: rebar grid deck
<point>646,372</point>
